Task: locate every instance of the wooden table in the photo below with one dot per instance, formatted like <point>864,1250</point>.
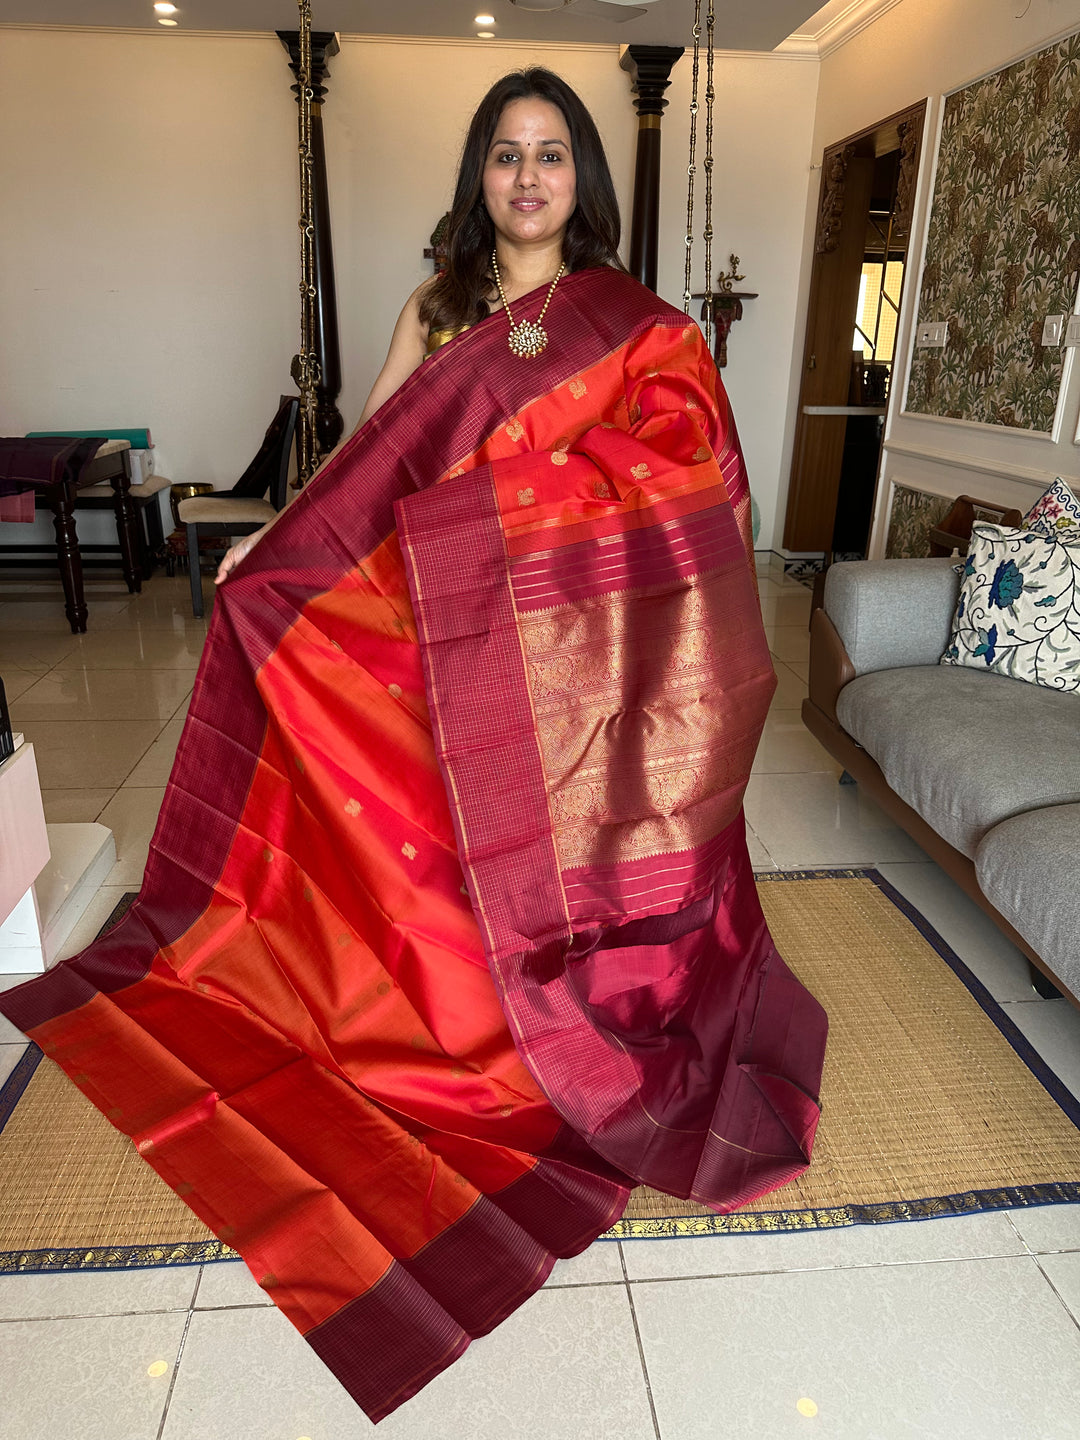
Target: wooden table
<point>112,463</point>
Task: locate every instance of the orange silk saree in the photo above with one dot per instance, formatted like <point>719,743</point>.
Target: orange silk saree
<point>448,933</point>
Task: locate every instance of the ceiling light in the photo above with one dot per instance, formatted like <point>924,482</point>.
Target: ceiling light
<point>163,21</point>
<point>485,34</point>
<point>485,20</point>
<point>164,8</point>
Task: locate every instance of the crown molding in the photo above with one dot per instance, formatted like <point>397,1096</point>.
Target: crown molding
<point>796,48</point>
<point>839,26</point>
<point>161,32</point>
<point>796,53</point>
<point>468,41</point>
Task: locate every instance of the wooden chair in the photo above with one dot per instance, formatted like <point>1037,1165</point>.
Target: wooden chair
<point>243,510</point>
<point>147,510</point>
<point>954,532</point>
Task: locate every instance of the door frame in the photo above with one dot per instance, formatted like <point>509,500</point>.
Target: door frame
<point>811,499</point>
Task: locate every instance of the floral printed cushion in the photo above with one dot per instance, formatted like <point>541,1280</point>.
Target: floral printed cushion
<point>1056,509</point>
<point>1019,608</point>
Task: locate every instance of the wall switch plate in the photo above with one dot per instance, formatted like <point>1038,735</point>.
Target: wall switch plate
<point>1053,329</point>
<point>932,335</point>
<point>1072,331</point>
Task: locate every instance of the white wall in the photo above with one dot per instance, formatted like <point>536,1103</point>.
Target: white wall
<point>927,48</point>
<point>762,140</point>
<point>150,272</point>
<point>148,240</point>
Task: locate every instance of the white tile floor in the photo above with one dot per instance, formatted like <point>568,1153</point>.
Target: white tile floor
<point>945,1330</point>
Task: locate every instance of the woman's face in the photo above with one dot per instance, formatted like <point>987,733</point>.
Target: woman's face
<point>529,182</point>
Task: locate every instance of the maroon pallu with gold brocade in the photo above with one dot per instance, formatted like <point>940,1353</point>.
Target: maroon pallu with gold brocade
<point>448,933</point>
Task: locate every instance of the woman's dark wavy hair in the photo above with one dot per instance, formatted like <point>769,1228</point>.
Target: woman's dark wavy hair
<point>457,297</point>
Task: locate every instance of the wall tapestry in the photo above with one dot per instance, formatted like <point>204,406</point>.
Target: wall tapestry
<point>914,514</point>
<point>1003,250</point>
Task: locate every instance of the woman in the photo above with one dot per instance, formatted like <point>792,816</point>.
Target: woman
<point>517,195</point>
<point>448,933</point>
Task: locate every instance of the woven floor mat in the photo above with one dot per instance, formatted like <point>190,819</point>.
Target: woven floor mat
<point>934,1104</point>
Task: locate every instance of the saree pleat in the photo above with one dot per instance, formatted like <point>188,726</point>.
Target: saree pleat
<point>448,932</point>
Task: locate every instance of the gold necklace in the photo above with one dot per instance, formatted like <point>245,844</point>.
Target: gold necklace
<point>528,338</point>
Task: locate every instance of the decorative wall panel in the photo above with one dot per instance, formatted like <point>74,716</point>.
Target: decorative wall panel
<point>1003,250</point>
<point>914,514</point>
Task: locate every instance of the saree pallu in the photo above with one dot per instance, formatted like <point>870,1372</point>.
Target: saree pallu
<point>448,933</point>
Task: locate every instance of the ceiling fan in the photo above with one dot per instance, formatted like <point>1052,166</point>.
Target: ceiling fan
<point>590,9</point>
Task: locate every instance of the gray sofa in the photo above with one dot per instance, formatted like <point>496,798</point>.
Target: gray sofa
<point>982,771</point>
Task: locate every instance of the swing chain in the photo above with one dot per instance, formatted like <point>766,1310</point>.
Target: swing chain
<point>306,371</point>
<point>710,95</point>
<point>707,166</point>
<point>691,167</point>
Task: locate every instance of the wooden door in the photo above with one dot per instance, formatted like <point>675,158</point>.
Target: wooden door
<point>834,298</point>
<point>840,244</point>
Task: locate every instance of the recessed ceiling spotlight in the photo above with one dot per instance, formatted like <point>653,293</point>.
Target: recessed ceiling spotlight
<point>162,21</point>
<point>485,34</point>
<point>485,20</point>
<point>165,9</point>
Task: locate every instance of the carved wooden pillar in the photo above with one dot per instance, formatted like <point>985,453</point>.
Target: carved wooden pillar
<point>328,421</point>
<point>833,192</point>
<point>649,67</point>
<point>909,130</point>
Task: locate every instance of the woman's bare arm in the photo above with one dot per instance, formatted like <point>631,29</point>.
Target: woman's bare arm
<point>406,352</point>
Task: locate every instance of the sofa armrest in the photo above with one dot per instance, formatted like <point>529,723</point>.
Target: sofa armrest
<point>892,613</point>
<point>830,665</point>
